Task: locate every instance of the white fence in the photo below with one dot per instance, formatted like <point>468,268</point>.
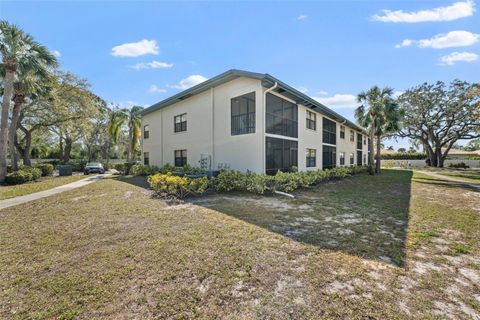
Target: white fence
<point>422,163</point>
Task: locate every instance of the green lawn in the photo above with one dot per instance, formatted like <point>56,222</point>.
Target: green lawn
<point>44,183</point>
<point>394,246</point>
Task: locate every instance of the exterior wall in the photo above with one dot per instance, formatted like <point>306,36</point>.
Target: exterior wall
<point>209,131</point>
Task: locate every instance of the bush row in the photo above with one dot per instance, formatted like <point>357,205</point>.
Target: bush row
<point>137,169</point>
<point>403,156</point>
<point>23,175</point>
<point>167,184</point>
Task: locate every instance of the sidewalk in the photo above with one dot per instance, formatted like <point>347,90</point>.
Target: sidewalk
<point>46,193</point>
<point>440,176</point>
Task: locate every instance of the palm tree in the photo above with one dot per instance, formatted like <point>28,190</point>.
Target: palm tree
<point>130,118</point>
<point>372,114</point>
<point>20,52</point>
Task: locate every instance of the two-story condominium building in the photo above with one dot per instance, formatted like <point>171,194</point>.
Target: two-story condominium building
<point>243,121</point>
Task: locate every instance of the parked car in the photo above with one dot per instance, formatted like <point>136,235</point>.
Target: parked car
<point>94,167</point>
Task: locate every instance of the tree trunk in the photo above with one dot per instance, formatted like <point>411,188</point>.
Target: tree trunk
<point>67,150</point>
<point>371,168</point>
<point>28,146</point>
<point>438,157</point>
<point>378,157</point>
<point>130,138</point>
<point>7,97</point>
<point>18,100</point>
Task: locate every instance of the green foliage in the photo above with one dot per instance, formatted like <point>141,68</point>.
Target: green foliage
<point>404,156</point>
<point>77,164</point>
<point>24,175</point>
<point>120,167</point>
<point>144,170</point>
<point>45,168</point>
<point>177,187</point>
<point>460,165</point>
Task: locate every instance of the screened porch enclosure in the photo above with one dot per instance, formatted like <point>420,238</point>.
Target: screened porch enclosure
<point>280,155</point>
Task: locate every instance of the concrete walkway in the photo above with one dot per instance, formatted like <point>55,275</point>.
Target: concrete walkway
<point>46,193</point>
<point>440,176</point>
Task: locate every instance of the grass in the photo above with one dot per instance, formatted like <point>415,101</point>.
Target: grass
<point>44,183</point>
<point>110,250</point>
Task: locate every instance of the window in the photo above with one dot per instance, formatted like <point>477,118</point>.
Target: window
<point>146,132</point>
<point>281,117</point>
<point>359,141</point>
<point>280,154</point>
<point>352,136</point>
<point>364,159</point>
<point>359,157</point>
<point>311,158</point>
<point>146,158</point>
<point>342,132</point>
<point>329,131</point>
<point>243,114</point>
<point>311,120</point>
<point>364,141</point>
<point>352,158</point>
<point>342,158</point>
<point>180,122</point>
<point>180,158</point>
<point>329,157</point>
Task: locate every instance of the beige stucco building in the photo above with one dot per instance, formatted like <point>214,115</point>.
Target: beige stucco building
<point>243,121</point>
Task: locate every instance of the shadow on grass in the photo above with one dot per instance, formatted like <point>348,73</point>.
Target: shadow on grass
<point>468,185</point>
<point>138,181</point>
<point>366,216</point>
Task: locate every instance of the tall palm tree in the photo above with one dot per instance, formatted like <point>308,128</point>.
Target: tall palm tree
<point>372,115</point>
<point>19,52</point>
<point>130,118</point>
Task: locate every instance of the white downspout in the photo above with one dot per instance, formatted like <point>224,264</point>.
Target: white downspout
<point>265,122</point>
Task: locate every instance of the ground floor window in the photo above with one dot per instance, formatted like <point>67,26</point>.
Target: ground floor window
<point>342,158</point>
<point>180,158</point>
<point>352,158</point>
<point>359,158</point>
<point>364,159</point>
<point>311,158</point>
<point>329,157</point>
<point>146,158</point>
<point>280,154</point>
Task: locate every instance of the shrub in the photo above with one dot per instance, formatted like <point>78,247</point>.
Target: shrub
<point>21,176</point>
<point>178,187</point>
<point>460,165</point>
<point>77,164</point>
<point>120,167</point>
<point>403,156</point>
<point>141,170</point>
<point>45,168</point>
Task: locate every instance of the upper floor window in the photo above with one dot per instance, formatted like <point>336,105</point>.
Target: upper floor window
<point>282,117</point>
<point>359,141</point>
<point>329,131</point>
<point>342,158</point>
<point>243,114</point>
<point>311,158</point>
<point>311,120</point>
<point>180,158</point>
<point>180,122</point>
<point>342,132</point>
<point>146,132</point>
<point>146,158</point>
<point>364,141</point>
<point>352,136</point>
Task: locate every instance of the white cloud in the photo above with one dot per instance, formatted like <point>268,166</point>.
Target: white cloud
<point>454,57</point>
<point>451,39</point>
<point>302,89</point>
<point>189,82</point>
<point>156,89</point>
<point>152,65</point>
<point>339,101</point>
<point>57,53</point>
<point>405,43</point>
<point>323,93</point>
<point>456,11</point>
<point>136,49</point>
<point>302,17</point>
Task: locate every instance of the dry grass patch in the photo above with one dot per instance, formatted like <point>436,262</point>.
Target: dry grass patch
<point>120,254</point>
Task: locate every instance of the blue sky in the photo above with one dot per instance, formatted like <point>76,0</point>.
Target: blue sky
<point>140,51</point>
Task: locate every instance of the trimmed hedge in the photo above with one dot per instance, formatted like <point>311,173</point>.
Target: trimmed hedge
<point>404,156</point>
<point>24,175</point>
<point>180,187</point>
<point>45,168</point>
